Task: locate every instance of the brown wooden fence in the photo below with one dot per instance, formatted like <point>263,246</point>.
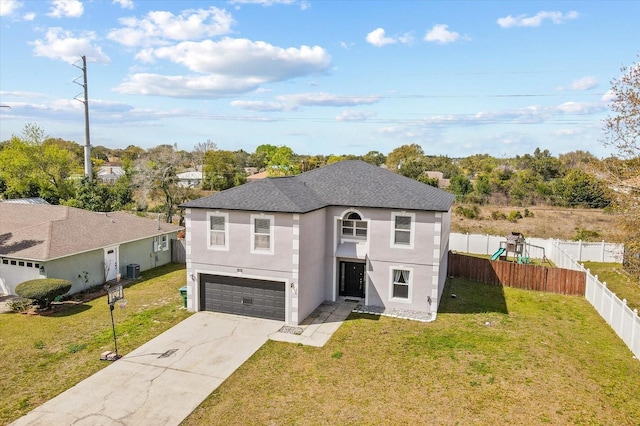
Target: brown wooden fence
<point>178,251</point>
<point>510,274</point>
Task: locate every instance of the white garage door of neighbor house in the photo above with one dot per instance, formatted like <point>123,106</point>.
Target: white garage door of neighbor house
<point>14,272</point>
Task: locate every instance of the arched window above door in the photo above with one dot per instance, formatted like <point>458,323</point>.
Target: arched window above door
<point>354,226</point>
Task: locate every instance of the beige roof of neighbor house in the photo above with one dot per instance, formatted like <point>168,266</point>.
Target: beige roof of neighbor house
<point>45,232</point>
<point>257,176</point>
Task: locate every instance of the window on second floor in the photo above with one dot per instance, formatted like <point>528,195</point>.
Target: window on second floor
<point>354,226</point>
<point>218,230</point>
<point>402,229</point>
<point>262,234</point>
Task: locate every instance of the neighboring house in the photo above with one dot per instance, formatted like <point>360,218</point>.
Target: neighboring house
<point>190,179</point>
<point>84,247</point>
<point>279,247</point>
<point>32,200</point>
<point>251,170</point>
<point>109,173</point>
<point>258,176</point>
<point>442,182</point>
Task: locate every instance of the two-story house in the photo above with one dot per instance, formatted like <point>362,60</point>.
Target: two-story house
<point>279,247</point>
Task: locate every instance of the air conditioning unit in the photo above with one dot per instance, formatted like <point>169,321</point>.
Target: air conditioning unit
<point>133,271</point>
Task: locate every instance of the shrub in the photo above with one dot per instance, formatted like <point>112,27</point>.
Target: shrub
<point>514,216</point>
<point>496,215</point>
<point>43,290</point>
<point>528,213</point>
<point>472,212</point>
<point>20,305</point>
<point>586,235</point>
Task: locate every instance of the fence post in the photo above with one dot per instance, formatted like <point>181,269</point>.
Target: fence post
<point>603,246</point>
<point>624,304</point>
<point>634,330</point>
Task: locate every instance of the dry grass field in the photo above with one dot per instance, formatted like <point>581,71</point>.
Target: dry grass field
<point>546,222</point>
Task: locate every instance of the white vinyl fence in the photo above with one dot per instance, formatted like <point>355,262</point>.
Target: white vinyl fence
<point>538,247</point>
<point>624,321</point>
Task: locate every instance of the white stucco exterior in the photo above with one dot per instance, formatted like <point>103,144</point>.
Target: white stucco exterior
<point>307,250</point>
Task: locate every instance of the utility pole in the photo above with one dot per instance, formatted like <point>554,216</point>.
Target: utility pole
<point>85,101</point>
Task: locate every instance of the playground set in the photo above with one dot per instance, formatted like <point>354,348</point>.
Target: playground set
<point>517,247</point>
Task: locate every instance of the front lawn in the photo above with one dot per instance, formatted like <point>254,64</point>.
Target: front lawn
<point>493,356</point>
<point>43,355</point>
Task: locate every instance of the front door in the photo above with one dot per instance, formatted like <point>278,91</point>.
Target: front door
<point>110,264</point>
<point>351,279</point>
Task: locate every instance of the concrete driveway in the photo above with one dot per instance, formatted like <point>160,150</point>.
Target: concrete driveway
<point>164,380</point>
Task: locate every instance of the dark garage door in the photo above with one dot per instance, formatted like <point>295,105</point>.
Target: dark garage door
<point>242,296</point>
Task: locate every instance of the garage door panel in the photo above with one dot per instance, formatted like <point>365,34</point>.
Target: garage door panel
<point>243,296</point>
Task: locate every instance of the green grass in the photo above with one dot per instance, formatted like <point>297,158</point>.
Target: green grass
<point>43,355</point>
<point>493,356</point>
<point>618,281</point>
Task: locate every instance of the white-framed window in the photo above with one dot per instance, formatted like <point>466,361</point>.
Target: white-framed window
<point>164,242</point>
<point>218,231</point>
<point>402,229</point>
<point>353,226</point>
<point>401,284</point>
<point>262,234</point>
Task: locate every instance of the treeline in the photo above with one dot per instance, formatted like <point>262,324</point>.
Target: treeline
<point>33,165</point>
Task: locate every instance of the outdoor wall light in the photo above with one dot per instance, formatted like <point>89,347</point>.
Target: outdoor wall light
<point>193,277</point>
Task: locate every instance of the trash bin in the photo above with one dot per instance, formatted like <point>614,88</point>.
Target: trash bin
<point>183,293</point>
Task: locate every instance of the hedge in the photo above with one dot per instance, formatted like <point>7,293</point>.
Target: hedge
<point>43,290</point>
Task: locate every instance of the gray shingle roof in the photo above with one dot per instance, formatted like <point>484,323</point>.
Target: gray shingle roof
<point>346,183</point>
<point>45,232</point>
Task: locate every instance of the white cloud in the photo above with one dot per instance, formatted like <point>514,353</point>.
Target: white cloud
<point>536,20</point>
<point>197,87</point>
<point>158,26</point>
<point>609,97</point>
<point>328,99</point>
<point>263,2</point>
<point>584,83</point>
<point>244,58</point>
<point>263,106</point>
<point>378,39</point>
<point>441,34</point>
<point>21,95</point>
<point>354,116</point>
<point>533,114</point>
<point>29,16</point>
<point>125,4</point>
<point>7,7</point>
<point>580,108</point>
<point>66,8</point>
<point>65,46</point>
<point>229,66</point>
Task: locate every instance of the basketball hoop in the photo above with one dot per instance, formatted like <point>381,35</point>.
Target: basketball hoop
<point>114,293</point>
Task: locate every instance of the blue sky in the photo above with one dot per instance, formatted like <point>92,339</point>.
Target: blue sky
<point>322,77</point>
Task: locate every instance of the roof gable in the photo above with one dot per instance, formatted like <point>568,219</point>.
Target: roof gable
<point>346,183</point>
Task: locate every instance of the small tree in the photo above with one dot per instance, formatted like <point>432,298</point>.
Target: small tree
<point>43,290</point>
<point>622,132</point>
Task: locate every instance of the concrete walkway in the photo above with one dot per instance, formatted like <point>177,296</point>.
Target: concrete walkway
<point>164,380</point>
